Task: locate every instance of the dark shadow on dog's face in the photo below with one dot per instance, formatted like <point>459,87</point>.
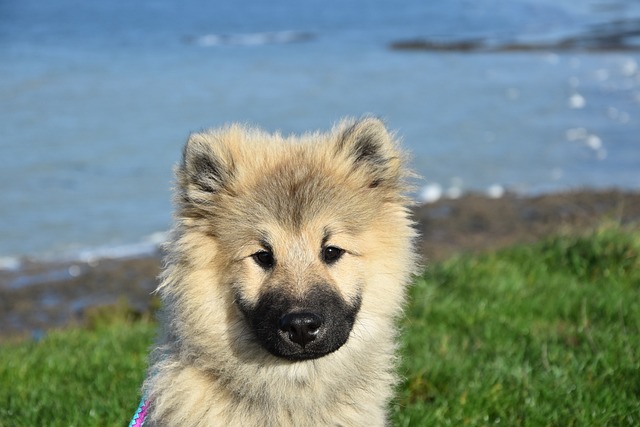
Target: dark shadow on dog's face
<point>301,328</point>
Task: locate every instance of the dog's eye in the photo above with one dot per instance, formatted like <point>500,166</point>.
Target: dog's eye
<point>264,259</point>
<point>331,254</point>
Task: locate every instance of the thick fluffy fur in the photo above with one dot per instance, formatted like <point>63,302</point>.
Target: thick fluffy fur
<point>242,193</point>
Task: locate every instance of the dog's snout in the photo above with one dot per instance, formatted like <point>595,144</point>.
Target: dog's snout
<point>300,328</point>
<point>304,328</point>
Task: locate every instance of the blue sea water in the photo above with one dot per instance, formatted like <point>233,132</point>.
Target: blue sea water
<point>97,99</point>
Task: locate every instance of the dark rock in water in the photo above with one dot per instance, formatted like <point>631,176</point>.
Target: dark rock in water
<point>433,45</point>
<point>621,35</point>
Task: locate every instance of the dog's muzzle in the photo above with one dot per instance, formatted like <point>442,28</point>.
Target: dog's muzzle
<point>301,328</point>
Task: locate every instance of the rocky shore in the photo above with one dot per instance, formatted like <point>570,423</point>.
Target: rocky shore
<point>39,296</point>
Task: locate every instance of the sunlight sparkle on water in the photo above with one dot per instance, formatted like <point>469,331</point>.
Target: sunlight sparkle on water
<point>430,193</point>
<point>577,101</point>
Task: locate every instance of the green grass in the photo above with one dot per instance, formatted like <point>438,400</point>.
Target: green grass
<point>540,335</point>
<point>75,377</point>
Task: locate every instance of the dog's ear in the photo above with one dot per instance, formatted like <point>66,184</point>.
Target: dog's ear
<point>206,167</point>
<point>372,150</point>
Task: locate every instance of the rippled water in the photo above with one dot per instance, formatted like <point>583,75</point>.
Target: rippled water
<point>97,99</point>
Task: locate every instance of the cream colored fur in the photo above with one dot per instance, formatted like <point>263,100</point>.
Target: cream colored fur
<point>237,186</point>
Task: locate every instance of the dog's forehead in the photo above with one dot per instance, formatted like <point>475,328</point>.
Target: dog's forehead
<point>294,188</point>
<point>296,195</point>
<point>321,231</point>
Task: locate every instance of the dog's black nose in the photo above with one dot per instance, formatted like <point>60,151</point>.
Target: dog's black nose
<point>301,328</point>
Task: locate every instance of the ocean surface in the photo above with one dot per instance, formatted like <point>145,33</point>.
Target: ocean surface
<point>97,99</point>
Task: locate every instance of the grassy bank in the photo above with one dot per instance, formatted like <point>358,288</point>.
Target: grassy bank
<point>547,334</point>
<point>76,377</point>
<point>530,336</point>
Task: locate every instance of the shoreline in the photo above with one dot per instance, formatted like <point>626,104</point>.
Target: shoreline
<point>40,295</point>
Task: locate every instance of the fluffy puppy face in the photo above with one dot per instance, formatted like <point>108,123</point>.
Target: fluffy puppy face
<point>292,228</point>
<point>294,282</point>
